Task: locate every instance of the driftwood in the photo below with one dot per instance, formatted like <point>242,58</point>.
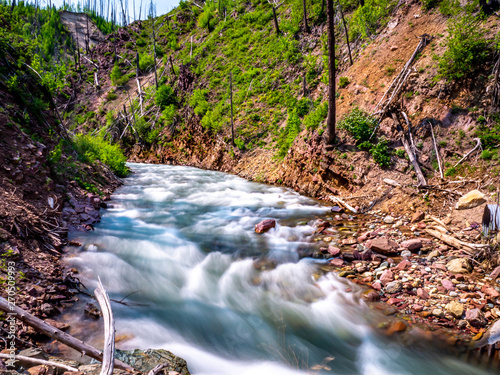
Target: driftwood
<point>37,361</point>
<point>470,152</point>
<point>57,334</point>
<point>411,155</point>
<point>157,369</point>
<point>440,234</point>
<point>437,151</point>
<point>390,182</point>
<point>109,330</point>
<point>340,201</point>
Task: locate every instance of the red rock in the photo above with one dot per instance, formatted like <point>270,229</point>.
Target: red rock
<point>393,301</point>
<point>337,262</point>
<point>439,266</point>
<point>421,225</point>
<point>447,284</point>
<point>422,293</point>
<point>74,243</point>
<point>334,250</point>
<point>495,273</point>
<point>412,245</point>
<point>418,308</point>
<point>475,317</point>
<point>459,277</point>
<point>417,216</point>
<point>404,265</point>
<point>377,286</point>
<point>489,291</point>
<point>386,277</point>
<point>368,279</point>
<point>383,246</point>
<point>396,327</point>
<point>372,296</point>
<point>265,225</point>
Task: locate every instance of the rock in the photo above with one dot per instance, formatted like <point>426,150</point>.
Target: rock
<point>494,274</point>
<point>372,296</point>
<point>48,309</point>
<point>417,216</point>
<point>377,285</point>
<point>472,199</point>
<point>437,313</point>
<point>456,309</point>
<point>459,265</point>
<point>393,48</point>
<point>396,327</point>
<point>403,265</point>
<point>405,254</point>
<point>489,291</point>
<point>91,311</point>
<point>265,225</point>
<point>389,220</point>
<point>433,254</point>
<point>422,293</point>
<point>74,243</point>
<point>35,290</point>
<point>146,360</point>
<point>386,277</point>
<point>475,318</point>
<point>337,209</point>
<point>412,245</point>
<point>383,246</point>
<point>41,370</point>
<point>393,287</point>
<point>337,262</point>
<point>447,284</point>
<point>59,325</point>
<point>334,251</point>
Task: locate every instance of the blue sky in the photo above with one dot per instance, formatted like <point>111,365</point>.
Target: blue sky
<point>162,6</point>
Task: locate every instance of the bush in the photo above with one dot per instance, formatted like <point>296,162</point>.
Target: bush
<point>343,82</point>
<point>303,107</point>
<point>91,148</point>
<point>316,117</point>
<point>288,134</point>
<point>381,153</point>
<point>199,102</point>
<point>368,18</point>
<point>359,124</point>
<point>146,62</point>
<point>165,96</point>
<point>486,154</point>
<point>116,75</point>
<point>467,48</point>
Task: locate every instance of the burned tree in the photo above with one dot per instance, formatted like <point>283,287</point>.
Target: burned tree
<point>330,122</point>
<point>306,26</point>
<point>275,5</point>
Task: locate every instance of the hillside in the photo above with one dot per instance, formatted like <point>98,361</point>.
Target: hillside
<point>277,127</point>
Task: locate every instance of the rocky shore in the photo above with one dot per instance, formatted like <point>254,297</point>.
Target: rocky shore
<point>453,293</point>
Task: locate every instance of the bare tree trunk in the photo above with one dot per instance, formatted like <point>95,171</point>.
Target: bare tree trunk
<point>346,33</point>
<point>306,26</point>
<point>330,122</point>
<point>139,82</point>
<point>109,330</point>
<point>123,13</point>
<point>231,97</point>
<point>172,65</point>
<point>154,43</point>
<point>304,85</point>
<point>276,22</point>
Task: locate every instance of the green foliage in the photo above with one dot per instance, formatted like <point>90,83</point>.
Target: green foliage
<point>168,114</point>
<point>206,16</point>
<point>368,18</point>
<point>486,154</point>
<point>429,4</point>
<point>381,153</point>
<point>165,96</point>
<point>316,116</point>
<point>288,134</point>
<point>146,62</point>
<point>91,148</point>
<point>55,154</point>
<point>489,135</point>
<point>359,124</point>
<point>303,107</point>
<point>198,101</point>
<point>400,153</point>
<point>467,48</point>
<point>239,143</point>
<point>116,75</point>
<point>343,82</point>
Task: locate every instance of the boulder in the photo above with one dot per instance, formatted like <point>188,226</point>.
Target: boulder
<point>386,277</point>
<point>456,309</point>
<point>475,318</point>
<point>459,265</point>
<point>383,245</point>
<point>265,225</point>
<point>472,199</point>
<point>412,245</point>
<point>146,360</point>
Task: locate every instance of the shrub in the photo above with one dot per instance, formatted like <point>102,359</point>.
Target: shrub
<point>164,96</point>
<point>303,107</point>
<point>91,148</point>
<point>467,48</point>
<point>343,82</point>
<point>400,153</point>
<point>146,62</point>
<point>316,117</point>
<point>381,153</point>
<point>288,134</point>
<point>489,135</point>
<point>359,124</point>
<point>486,154</point>
<point>198,101</point>
<point>116,75</point>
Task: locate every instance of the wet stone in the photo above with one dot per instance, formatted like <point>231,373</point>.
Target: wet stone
<point>393,287</point>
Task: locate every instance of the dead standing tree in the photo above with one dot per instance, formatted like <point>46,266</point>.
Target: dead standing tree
<point>152,14</point>
<point>275,5</point>
<point>330,122</point>
<point>306,26</point>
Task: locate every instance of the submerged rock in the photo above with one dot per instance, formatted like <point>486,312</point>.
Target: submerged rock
<point>146,360</point>
<point>265,225</point>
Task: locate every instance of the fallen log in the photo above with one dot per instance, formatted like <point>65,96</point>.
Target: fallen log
<point>340,201</point>
<point>37,361</point>
<point>437,152</point>
<point>411,155</point>
<point>57,334</point>
<point>452,241</point>
<point>109,330</point>
<point>470,152</point>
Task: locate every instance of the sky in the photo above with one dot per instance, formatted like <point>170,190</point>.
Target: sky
<point>162,6</point>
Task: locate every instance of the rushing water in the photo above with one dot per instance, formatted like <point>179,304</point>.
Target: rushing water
<point>182,240</point>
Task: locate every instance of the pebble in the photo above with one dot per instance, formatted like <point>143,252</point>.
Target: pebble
<point>453,294</point>
<point>393,287</point>
<point>406,253</point>
<point>427,269</point>
<point>437,312</point>
<point>389,220</point>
